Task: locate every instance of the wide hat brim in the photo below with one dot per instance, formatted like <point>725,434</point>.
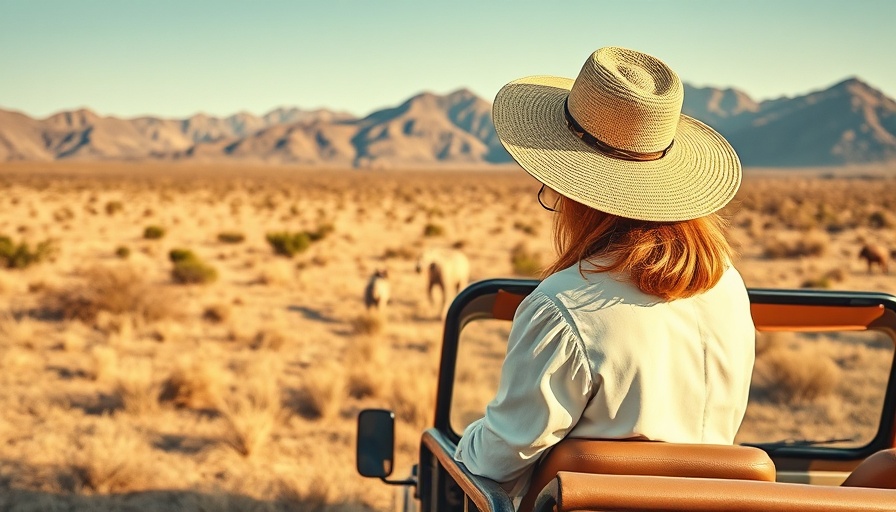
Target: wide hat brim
<point>697,176</point>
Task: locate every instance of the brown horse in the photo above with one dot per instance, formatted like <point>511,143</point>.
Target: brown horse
<point>875,254</point>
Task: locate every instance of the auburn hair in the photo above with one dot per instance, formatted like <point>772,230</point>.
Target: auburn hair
<point>671,260</point>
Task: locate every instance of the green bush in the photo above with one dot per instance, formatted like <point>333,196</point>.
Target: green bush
<point>20,255</point>
<point>433,230</point>
<point>123,252</point>
<point>189,269</point>
<point>113,207</point>
<point>153,232</point>
<point>176,255</point>
<point>231,237</point>
<point>321,232</point>
<point>289,244</point>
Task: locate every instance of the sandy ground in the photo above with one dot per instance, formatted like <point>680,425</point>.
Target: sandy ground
<point>122,389</point>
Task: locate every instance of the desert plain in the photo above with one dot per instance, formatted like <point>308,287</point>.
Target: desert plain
<point>233,381</point>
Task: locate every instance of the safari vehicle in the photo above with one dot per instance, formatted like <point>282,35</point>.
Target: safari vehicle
<point>835,453</point>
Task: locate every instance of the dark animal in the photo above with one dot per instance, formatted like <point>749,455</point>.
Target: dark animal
<point>875,254</point>
<point>376,294</point>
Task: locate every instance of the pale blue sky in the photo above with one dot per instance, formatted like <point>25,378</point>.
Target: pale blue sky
<point>178,57</point>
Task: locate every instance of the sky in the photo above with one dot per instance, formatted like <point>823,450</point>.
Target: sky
<point>175,58</point>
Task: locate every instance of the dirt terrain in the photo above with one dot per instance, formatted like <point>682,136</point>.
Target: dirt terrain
<point>230,379</point>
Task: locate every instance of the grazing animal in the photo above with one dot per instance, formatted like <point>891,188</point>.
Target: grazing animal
<point>874,254</point>
<point>447,269</point>
<point>376,294</point>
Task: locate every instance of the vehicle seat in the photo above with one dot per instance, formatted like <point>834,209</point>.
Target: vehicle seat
<point>877,471</point>
<point>576,492</point>
<point>649,458</point>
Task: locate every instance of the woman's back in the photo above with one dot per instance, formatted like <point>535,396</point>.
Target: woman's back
<point>664,370</point>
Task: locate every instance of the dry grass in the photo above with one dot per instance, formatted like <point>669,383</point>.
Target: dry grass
<point>113,289</point>
<point>193,384</point>
<point>106,458</point>
<point>814,243</point>
<point>137,386</point>
<point>369,323</point>
<point>797,376</point>
<point>366,363</point>
<point>251,408</point>
<point>214,425</point>
<point>322,392</point>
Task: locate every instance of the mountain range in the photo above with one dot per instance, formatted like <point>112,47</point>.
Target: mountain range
<point>847,123</point>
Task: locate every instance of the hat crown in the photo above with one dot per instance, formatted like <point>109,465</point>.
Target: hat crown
<point>628,100</point>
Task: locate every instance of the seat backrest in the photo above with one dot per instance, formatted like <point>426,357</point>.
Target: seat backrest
<point>570,492</point>
<point>649,458</point>
<point>878,471</point>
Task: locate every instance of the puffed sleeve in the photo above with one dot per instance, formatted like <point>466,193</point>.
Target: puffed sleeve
<point>545,385</point>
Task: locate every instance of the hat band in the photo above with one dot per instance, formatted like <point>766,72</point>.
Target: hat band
<point>603,147</point>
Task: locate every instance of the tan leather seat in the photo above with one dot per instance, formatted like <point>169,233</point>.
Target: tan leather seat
<point>649,458</point>
<point>569,492</point>
<point>877,471</point>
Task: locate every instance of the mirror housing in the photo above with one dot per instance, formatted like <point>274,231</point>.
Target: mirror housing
<point>376,443</point>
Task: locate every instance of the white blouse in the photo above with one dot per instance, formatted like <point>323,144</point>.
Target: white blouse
<point>593,357</point>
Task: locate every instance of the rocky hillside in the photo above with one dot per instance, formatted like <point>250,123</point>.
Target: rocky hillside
<point>850,122</point>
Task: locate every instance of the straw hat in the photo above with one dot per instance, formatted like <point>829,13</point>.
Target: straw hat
<point>615,139</point>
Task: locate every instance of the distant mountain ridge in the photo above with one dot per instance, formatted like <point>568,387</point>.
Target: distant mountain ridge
<point>847,123</point>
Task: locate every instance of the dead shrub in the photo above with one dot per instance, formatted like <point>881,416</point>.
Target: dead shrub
<point>362,383</point>
<point>881,219</point>
<point>368,323</point>
<point>136,387</point>
<point>116,290</point>
<point>191,385</point>
<point>217,313</point>
<point>403,252</point>
<point>794,377</point>
<point>251,408</point>
<point>106,458</point>
<point>413,398</point>
<point>814,243</point>
<point>268,338</point>
<point>366,361</point>
<point>113,207</point>
<point>321,394</point>
<point>231,237</point>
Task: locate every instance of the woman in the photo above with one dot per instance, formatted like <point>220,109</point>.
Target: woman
<point>642,327</point>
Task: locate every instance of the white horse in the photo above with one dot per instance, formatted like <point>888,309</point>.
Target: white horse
<point>376,294</point>
<point>448,269</point>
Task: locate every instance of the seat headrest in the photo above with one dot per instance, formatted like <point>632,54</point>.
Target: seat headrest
<point>649,458</point>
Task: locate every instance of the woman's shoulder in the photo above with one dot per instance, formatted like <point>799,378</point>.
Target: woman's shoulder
<point>578,285</point>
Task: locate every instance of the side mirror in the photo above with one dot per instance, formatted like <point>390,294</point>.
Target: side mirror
<point>376,443</point>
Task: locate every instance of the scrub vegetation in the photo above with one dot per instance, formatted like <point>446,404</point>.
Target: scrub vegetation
<point>122,389</point>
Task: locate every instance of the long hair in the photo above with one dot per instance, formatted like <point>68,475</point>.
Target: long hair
<point>670,260</point>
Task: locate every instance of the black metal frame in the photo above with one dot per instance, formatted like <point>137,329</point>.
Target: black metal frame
<point>457,318</point>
